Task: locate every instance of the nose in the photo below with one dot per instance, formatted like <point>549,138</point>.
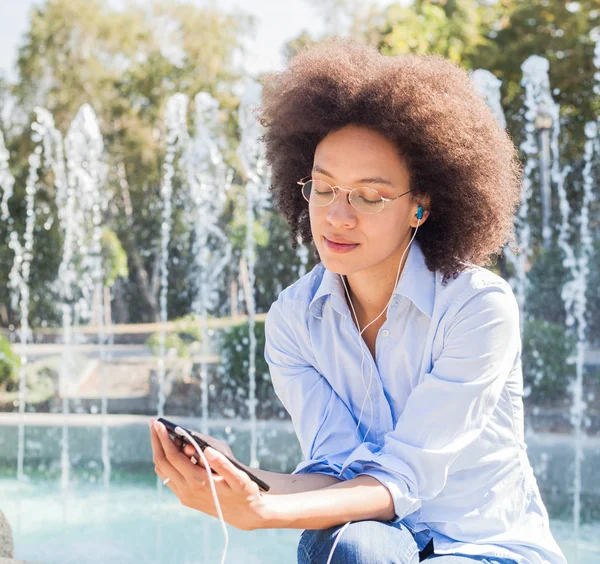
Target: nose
<point>341,213</point>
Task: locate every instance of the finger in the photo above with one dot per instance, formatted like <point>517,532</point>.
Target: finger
<point>189,450</point>
<point>157,449</point>
<point>235,478</point>
<point>191,453</point>
<point>162,465</point>
<point>178,442</point>
<point>172,454</point>
<point>221,446</point>
<point>171,484</point>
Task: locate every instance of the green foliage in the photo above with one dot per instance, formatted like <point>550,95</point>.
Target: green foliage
<point>186,337</point>
<point>546,278</point>
<point>232,395</point>
<point>451,29</point>
<point>593,297</point>
<point>234,348</point>
<point>546,348</point>
<point>114,258</point>
<point>10,364</point>
<point>561,33</point>
<point>278,265</point>
<point>236,227</point>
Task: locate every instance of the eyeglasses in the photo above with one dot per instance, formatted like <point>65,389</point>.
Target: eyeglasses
<point>363,198</point>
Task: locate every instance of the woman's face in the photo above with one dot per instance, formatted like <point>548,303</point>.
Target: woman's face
<point>358,156</point>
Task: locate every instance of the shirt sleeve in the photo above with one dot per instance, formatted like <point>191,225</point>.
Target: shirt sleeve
<point>322,422</point>
<point>451,405</point>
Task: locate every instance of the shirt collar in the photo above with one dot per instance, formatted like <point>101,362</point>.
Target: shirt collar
<point>417,283</point>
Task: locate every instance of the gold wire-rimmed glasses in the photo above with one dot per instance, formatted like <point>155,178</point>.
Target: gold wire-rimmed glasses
<point>362,198</point>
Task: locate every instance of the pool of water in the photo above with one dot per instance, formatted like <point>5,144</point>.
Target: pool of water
<point>145,523</point>
<point>127,524</point>
<point>124,516</point>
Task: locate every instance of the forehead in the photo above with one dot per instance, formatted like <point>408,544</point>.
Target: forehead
<point>355,152</point>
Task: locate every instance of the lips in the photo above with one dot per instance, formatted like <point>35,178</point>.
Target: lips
<point>340,240</point>
<point>339,247</point>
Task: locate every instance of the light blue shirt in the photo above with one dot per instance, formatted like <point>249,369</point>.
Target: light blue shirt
<point>446,422</point>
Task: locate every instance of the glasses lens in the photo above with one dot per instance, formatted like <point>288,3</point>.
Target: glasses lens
<point>318,193</point>
<point>366,200</point>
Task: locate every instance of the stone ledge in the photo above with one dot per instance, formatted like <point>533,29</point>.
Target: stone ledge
<point>6,543</point>
<point>6,539</point>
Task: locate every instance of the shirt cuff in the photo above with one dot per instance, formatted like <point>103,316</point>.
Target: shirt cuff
<point>388,470</point>
<point>404,503</point>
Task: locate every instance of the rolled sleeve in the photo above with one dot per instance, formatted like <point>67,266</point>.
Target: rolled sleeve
<point>323,424</point>
<point>451,405</point>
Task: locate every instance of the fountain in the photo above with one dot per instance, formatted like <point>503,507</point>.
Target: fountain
<point>85,201</point>
<point>47,142</point>
<point>208,180</point>
<point>254,167</point>
<point>177,136</point>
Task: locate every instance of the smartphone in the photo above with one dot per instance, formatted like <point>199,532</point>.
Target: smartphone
<point>203,444</point>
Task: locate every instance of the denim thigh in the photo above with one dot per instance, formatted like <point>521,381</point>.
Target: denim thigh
<point>375,542</point>
<point>467,559</point>
<point>364,542</point>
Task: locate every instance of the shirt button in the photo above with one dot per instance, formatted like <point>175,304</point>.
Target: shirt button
<point>385,333</point>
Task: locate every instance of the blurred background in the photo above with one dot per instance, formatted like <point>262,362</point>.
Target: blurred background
<point>140,250</point>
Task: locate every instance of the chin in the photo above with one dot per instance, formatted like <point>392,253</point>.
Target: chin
<point>338,266</point>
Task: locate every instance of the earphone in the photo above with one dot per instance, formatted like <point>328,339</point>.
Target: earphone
<point>181,432</point>
<point>419,216</point>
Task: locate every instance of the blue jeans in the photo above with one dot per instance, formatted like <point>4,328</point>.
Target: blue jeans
<point>375,542</point>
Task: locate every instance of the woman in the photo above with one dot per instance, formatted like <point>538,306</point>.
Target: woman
<point>398,356</point>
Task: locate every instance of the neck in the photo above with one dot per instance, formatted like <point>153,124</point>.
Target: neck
<point>370,290</point>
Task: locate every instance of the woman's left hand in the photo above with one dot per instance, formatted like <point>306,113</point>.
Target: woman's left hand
<point>241,502</point>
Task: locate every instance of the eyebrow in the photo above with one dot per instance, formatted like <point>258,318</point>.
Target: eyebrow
<point>369,180</point>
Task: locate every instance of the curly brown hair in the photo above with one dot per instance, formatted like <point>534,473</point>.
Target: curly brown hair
<point>456,151</point>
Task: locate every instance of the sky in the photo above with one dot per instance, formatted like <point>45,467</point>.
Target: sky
<point>277,22</point>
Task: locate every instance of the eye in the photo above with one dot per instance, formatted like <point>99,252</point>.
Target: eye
<point>370,202</point>
<point>368,195</point>
<point>321,187</point>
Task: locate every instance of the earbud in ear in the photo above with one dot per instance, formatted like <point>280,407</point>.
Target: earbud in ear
<point>419,213</point>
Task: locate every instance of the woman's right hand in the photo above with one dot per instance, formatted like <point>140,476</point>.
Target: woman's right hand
<point>190,451</point>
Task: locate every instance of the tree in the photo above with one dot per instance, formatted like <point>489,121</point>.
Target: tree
<point>126,63</point>
<point>451,28</point>
<point>562,33</point>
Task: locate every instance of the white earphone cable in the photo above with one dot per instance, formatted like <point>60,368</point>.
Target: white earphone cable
<point>361,342</point>
<point>362,349</point>
<point>339,534</point>
<point>181,432</point>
